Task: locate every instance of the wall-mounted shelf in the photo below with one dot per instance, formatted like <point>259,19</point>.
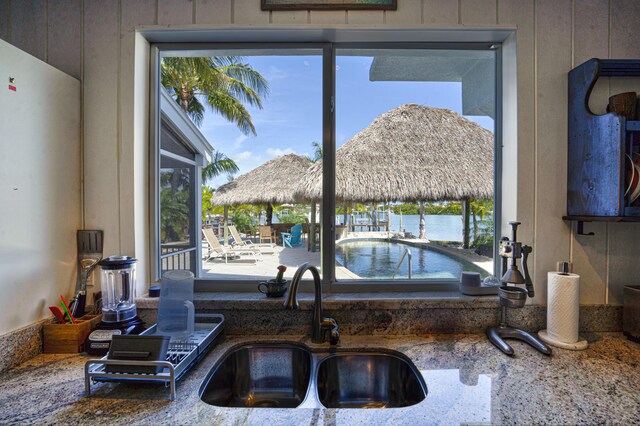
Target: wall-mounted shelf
<point>598,147</point>
<point>582,219</point>
<point>602,218</point>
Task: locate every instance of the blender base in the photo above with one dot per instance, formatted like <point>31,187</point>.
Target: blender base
<point>498,333</point>
<point>99,341</point>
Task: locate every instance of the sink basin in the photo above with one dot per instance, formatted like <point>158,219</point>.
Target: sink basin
<point>288,375</point>
<point>273,375</point>
<point>369,380</point>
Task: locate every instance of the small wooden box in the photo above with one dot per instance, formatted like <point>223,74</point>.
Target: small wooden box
<point>69,338</point>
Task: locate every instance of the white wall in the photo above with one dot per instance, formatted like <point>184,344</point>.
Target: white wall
<point>40,203</point>
<point>94,41</point>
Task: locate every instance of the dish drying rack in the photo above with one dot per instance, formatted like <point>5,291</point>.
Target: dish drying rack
<point>181,356</point>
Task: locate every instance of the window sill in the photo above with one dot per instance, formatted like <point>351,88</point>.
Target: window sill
<point>241,301</point>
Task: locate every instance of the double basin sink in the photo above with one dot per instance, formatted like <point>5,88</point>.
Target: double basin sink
<point>287,375</point>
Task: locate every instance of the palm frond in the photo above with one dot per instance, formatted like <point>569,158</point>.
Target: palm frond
<point>196,111</point>
<point>223,83</point>
<point>219,164</point>
<point>233,110</point>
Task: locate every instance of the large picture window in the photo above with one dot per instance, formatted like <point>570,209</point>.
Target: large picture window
<point>374,163</point>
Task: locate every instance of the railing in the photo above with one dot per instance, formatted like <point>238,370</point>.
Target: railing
<point>407,253</point>
<point>177,257</point>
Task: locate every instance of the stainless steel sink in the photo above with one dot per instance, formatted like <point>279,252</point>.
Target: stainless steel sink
<point>274,375</point>
<point>369,380</point>
<point>280,375</point>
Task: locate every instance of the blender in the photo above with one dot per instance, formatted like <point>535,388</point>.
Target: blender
<point>119,315</point>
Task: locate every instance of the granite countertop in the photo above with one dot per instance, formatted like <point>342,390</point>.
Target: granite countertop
<point>468,380</point>
<point>408,300</point>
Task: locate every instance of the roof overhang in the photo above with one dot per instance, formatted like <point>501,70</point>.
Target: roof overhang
<point>173,116</point>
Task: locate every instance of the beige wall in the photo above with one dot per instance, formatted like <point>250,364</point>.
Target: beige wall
<point>40,204</point>
<point>94,41</point>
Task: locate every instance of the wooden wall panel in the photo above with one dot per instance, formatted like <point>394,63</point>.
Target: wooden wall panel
<point>64,39</point>
<point>297,17</point>
<point>624,267</point>
<point>28,27</point>
<point>521,14</point>
<point>136,13</point>
<point>409,13</point>
<point>438,12</point>
<point>373,17</point>
<point>248,12</point>
<point>478,12</point>
<point>589,253</point>
<point>212,12</point>
<point>330,17</point>
<point>100,99</point>
<point>175,12</point>
<point>553,50</point>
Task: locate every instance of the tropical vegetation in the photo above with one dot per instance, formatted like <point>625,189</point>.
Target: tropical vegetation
<point>224,84</point>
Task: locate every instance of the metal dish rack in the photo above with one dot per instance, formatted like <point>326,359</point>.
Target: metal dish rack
<point>181,356</point>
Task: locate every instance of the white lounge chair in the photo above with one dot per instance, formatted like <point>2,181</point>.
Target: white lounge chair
<point>219,251</point>
<point>248,244</point>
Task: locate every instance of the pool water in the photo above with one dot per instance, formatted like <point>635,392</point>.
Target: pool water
<point>378,260</point>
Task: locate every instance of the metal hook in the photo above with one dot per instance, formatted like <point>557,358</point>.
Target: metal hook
<point>581,229</point>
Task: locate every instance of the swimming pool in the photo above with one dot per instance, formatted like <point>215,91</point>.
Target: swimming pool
<point>378,260</point>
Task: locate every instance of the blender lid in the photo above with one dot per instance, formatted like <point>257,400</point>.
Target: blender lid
<point>117,262</point>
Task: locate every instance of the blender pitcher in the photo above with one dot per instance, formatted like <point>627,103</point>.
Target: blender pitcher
<point>118,288</point>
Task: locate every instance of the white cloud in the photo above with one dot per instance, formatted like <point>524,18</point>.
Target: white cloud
<point>243,156</point>
<point>277,152</point>
<point>276,73</point>
<point>237,143</point>
<point>306,63</point>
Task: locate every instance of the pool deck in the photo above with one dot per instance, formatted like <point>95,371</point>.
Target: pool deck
<point>244,267</point>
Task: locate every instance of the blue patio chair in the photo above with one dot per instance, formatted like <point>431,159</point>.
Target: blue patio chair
<point>292,239</point>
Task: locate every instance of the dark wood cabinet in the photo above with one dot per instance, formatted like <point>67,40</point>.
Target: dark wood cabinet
<point>598,148</point>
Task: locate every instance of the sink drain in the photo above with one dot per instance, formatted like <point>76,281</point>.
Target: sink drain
<point>265,403</point>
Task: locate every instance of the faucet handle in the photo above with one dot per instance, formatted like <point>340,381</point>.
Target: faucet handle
<point>330,326</point>
<point>334,337</point>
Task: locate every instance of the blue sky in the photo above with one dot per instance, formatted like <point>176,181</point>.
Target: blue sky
<point>291,117</point>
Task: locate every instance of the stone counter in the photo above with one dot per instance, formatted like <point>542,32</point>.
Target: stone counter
<point>468,380</point>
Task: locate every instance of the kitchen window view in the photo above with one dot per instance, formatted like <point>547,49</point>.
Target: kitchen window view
<point>414,164</point>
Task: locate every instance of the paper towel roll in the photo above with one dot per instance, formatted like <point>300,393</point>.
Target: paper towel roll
<point>563,306</point>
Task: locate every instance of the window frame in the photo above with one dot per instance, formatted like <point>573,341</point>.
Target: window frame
<point>330,284</point>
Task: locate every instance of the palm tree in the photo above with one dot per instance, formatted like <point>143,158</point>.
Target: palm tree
<point>219,164</point>
<point>317,152</point>
<point>222,82</point>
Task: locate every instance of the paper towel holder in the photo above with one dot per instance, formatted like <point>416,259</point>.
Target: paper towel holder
<point>513,297</point>
<point>564,268</point>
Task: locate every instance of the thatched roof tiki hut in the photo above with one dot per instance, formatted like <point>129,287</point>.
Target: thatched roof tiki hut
<point>412,153</point>
<point>271,183</point>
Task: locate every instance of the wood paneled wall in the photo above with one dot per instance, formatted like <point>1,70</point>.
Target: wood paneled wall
<point>94,40</point>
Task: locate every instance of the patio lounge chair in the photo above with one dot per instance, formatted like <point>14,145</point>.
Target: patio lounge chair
<point>292,239</point>
<point>219,251</point>
<point>248,244</point>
